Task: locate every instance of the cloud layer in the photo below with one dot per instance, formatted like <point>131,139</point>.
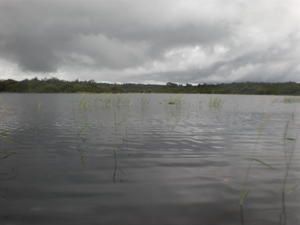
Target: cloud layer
<point>151,41</point>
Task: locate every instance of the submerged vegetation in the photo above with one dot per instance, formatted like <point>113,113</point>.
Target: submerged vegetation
<point>55,85</point>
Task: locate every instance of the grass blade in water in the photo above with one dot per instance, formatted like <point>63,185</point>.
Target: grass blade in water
<point>262,162</point>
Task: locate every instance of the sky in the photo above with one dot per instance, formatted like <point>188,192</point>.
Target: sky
<point>157,41</point>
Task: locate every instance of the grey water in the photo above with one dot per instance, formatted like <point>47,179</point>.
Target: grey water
<point>133,159</point>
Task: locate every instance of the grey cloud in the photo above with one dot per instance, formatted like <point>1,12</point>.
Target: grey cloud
<point>275,64</point>
<point>135,35</point>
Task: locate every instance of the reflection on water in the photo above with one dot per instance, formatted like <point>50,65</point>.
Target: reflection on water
<point>148,159</point>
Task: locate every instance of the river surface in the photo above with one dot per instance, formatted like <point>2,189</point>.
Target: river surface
<point>141,159</point>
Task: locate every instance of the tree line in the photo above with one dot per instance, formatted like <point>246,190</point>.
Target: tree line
<point>54,85</point>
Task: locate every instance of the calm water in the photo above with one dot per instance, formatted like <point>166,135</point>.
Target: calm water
<point>140,159</point>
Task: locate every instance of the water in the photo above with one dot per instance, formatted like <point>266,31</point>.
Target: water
<point>148,159</point>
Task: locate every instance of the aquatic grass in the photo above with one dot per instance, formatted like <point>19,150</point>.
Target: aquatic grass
<point>4,134</point>
<point>265,119</point>
<point>288,156</point>
<point>292,188</point>
<point>291,100</point>
<point>107,101</point>
<point>144,100</point>
<point>120,113</point>
<point>83,127</point>
<point>82,136</point>
<point>262,162</point>
<point>120,100</point>
<point>5,176</point>
<point>118,121</point>
<point>215,103</point>
<point>39,106</point>
<point>289,149</point>
<point>173,107</point>
<point>243,196</point>
<point>83,103</point>
<point>115,166</point>
<point>6,154</point>
<point>102,98</point>
<point>144,104</point>
<point>114,100</point>
<point>245,191</point>
<point>117,169</point>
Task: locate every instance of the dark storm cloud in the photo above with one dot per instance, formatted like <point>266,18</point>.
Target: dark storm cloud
<point>159,40</point>
<point>41,35</point>
<point>31,54</point>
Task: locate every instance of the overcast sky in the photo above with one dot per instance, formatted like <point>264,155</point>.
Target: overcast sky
<point>151,41</point>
